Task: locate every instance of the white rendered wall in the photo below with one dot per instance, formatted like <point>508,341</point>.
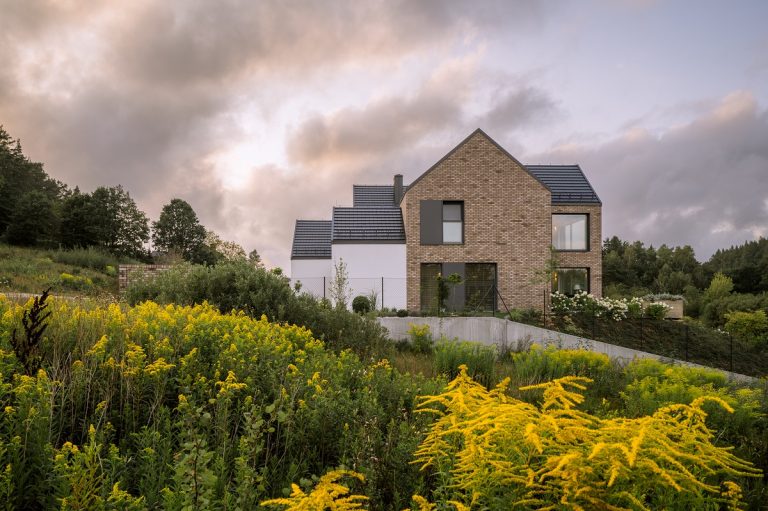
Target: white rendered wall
<point>371,265</point>
<point>311,272</point>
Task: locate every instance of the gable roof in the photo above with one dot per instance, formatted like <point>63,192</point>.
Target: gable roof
<point>480,132</point>
<point>368,223</point>
<point>567,183</point>
<point>372,195</point>
<point>312,239</point>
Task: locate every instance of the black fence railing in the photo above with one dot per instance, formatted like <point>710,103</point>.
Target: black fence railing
<point>673,339</point>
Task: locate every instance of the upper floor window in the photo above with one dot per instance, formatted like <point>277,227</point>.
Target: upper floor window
<point>570,232</point>
<point>441,222</point>
<point>453,222</point>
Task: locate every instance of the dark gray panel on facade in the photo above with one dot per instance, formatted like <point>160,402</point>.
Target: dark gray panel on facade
<point>456,299</point>
<point>431,222</point>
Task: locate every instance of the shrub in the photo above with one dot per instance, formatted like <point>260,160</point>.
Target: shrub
<point>90,257</point>
<point>751,327</point>
<point>421,338</point>
<point>361,304</point>
<point>713,312</point>
<point>490,451</point>
<point>585,303</point>
<point>544,364</point>
<point>480,360</point>
<point>657,310</point>
<point>75,282</point>
<point>238,285</point>
<point>402,313</point>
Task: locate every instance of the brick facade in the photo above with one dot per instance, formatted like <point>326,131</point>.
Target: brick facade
<point>507,221</point>
<point>128,273</point>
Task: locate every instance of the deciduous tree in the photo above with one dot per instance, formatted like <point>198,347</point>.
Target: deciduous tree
<point>178,229</point>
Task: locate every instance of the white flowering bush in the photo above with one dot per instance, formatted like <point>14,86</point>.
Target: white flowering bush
<point>609,308</point>
<point>657,310</point>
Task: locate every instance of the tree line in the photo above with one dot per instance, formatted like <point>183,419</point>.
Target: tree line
<point>37,210</point>
<point>733,279</point>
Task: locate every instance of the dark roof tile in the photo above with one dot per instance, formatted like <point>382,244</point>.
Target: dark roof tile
<point>368,223</point>
<point>312,239</point>
<point>567,183</point>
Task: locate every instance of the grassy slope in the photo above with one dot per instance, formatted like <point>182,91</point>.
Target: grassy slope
<point>28,270</point>
<point>692,342</point>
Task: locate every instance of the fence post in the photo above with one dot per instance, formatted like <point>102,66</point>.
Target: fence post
<point>730,337</point>
<point>323,288</point>
<point>382,293</point>
<point>594,328</point>
<point>642,336</point>
<point>686,343</point>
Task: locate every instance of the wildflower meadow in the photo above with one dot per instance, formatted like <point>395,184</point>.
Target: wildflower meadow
<point>185,407</point>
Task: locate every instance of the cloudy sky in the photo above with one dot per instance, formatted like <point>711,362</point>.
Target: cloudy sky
<point>261,112</point>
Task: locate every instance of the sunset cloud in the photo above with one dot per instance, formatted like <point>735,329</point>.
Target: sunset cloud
<point>259,113</point>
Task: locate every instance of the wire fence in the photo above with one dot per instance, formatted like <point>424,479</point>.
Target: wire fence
<point>389,292</point>
<point>691,342</point>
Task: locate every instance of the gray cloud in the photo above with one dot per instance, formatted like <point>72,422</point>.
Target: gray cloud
<point>516,108</point>
<point>144,94</point>
<point>704,184</point>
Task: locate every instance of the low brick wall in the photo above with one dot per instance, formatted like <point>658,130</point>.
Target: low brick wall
<point>128,273</point>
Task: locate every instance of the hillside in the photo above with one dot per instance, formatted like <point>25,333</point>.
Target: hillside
<point>68,272</point>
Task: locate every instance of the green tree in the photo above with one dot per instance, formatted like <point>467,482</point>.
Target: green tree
<point>118,224</point>
<point>20,176</point>
<point>224,250</point>
<point>79,221</point>
<point>254,258</point>
<point>179,230</point>
<point>33,220</point>
<point>720,287</point>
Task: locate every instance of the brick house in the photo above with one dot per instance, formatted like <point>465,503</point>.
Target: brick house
<point>478,213</point>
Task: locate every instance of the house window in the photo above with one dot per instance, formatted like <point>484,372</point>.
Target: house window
<point>429,272</point>
<point>570,281</point>
<point>480,287</point>
<point>453,222</point>
<point>474,292</point>
<point>570,232</point>
<point>441,222</point>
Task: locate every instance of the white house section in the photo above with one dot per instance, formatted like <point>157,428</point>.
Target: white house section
<point>313,274</point>
<point>374,267</point>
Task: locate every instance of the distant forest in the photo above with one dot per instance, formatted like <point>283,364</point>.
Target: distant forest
<point>37,210</point>
<point>632,269</point>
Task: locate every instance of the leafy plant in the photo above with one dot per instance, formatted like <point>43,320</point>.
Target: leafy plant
<point>421,338</point>
<point>327,494</point>
<point>480,360</point>
<point>27,349</point>
<point>361,304</point>
<point>489,450</point>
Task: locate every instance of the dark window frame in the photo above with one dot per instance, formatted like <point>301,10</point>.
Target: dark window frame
<point>589,278</point>
<point>587,234</point>
<point>460,203</point>
<point>431,224</point>
<point>430,304</point>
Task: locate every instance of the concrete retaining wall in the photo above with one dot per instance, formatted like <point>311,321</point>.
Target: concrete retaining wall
<point>518,337</point>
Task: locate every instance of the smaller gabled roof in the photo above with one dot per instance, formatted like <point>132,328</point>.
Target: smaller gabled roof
<point>312,239</point>
<point>567,183</point>
<point>373,195</point>
<point>368,223</point>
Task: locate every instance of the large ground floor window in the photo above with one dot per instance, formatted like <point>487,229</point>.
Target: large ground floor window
<point>570,281</point>
<point>475,292</point>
